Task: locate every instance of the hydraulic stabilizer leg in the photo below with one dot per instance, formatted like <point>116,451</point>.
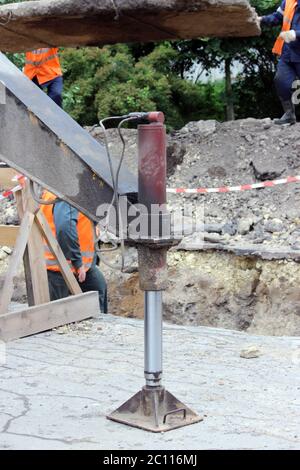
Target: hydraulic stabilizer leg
<point>153,408</point>
<point>153,338</point>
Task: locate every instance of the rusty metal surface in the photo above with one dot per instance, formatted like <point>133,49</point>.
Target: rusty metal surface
<point>153,269</point>
<point>155,410</point>
<point>152,177</point>
<point>152,166</point>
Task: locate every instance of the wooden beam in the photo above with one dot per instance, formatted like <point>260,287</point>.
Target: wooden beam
<point>66,272</point>
<point>38,268</point>
<point>44,317</point>
<point>17,256</point>
<point>8,235</point>
<point>27,271</point>
<point>6,176</point>
<point>36,253</point>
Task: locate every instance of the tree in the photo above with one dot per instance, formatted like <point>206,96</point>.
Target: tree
<point>255,56</point>
<point>115,80</point>
<point>136,77</point>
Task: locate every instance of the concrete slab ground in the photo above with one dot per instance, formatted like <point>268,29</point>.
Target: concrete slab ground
<point>56,388</point>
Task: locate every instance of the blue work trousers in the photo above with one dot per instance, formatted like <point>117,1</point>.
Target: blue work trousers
<point>287,73</point>
<point>94,282</point>
<point>53,88</point>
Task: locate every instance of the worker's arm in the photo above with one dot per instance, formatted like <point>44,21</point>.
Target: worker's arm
<point>65,219</point>
<point>275,19</point>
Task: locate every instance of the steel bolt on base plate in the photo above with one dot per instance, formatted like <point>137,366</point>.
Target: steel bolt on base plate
<point>154,409</point>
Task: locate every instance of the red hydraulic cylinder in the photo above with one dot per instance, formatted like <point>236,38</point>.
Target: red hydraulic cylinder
<point>152,164</point>
<point>152,172</point>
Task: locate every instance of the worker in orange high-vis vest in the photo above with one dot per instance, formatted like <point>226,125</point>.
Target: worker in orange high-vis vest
<point>75,235</point>
<point>287,47</point>
<point>42,66</point>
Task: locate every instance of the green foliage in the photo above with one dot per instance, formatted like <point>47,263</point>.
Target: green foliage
<point>118,79</point>
<point>254,93</point>
<point>18,59</point>
<point>5,2</point>
<point>254,89</point>
<point>111,81</point>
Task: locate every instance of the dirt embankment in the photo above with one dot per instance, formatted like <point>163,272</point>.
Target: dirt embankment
<point>209,154</point>
<point>215,287</point>
<point>218,289</point>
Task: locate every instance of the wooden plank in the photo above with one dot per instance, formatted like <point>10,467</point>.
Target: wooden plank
<point>8,235</point>
<point>6,176</point>
<point>38,268</point>
<point>36,254</point>
<point>15,261</point>
<point>27,271</point>
<point>28,279</point>
<point>68,276</point>
<point>44,317</point>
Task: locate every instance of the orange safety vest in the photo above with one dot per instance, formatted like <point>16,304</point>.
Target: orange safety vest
<point>288,15</point>
<point>85,236</point>
<point>42,64</point>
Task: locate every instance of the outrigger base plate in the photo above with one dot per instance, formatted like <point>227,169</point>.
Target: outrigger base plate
<point>154,409</point>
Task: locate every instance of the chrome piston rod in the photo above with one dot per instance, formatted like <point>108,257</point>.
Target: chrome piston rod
<point>153,338</point>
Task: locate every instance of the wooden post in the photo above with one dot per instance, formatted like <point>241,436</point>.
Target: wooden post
<point>26,263</point>
<point>30,246</point>
<point>34,261</point>
<point>8,287</point>
<point>66,272</point>
<point>28,243</point>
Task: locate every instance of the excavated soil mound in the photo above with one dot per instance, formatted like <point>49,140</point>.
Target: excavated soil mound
<point>216,287</point>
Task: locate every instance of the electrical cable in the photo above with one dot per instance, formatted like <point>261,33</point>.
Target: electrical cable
<point>37,198</point>
<point>131,117</point>
<point>115,198</point>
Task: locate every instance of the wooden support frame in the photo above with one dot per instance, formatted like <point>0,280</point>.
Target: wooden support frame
<point>29,247</point>
<point>7,289</point>
<point>33,256</point>
<point>44,317</point>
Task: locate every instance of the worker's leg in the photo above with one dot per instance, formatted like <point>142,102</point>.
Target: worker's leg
<point>35,81</point>
<point>284,79</point>
<point>54,89</point>
<point>285,76</point>
<point>95,282</point>
<point>57,287</point>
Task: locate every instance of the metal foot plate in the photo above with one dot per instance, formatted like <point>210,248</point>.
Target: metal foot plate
<point>154,409</point>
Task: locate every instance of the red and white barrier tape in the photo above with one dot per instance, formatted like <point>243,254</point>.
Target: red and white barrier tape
<point>229,189</point>
<point>9,192</point>
<point>222,189</point>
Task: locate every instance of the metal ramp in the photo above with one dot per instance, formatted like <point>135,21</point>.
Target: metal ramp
<point>43,142</point>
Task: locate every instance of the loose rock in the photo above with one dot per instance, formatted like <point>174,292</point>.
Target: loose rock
<point>251,352</point>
